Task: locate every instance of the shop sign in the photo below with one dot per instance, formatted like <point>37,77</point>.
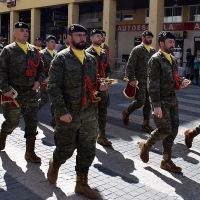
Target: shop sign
<point>57,16</point>
<point>166,26</point>
<point>11,3</point>
<point>60,23</point>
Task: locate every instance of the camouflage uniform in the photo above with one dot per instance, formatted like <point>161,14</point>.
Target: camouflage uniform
<point>105,98</point>
<point>107,69</point>
<point>13,66</point>
<point>137,71</point>
<point>64,46</point>
<point>43,95</point>
<point>162,94</point>
<point>65,89</point>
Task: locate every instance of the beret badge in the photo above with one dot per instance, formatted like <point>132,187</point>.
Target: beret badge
<point>20,24</point>
<point>72,28</point>
<point>164,33</point>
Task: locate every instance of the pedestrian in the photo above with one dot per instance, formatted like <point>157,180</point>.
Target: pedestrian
<point>197,67</point>
<point>66,45</point>
<point>47,55</point>
<point>38,43</point>
<point>101,56</point>
<point>190,134</point>
<point>106,48</point>
<point>21,68</point>
<point>163,81</point>
<point>137,74</point>
<point>189,65</point>
<point>71,86</point>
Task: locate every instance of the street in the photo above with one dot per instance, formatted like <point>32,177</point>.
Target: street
<point>117,172</point>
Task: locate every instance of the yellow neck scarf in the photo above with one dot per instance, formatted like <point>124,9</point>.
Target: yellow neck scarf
<point>147,47</point>
<point>102,45</point>
<point>50,51</point>
<point>79,54</point>
<point>39,48</point>
<point>168,56</point>
<point>67,46</point>
<point>97,49</point>
<point>24,47</point>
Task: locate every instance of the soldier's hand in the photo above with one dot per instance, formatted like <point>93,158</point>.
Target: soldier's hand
<point>184,83</point>
<point>8,94</point>
<point>66,118</point>
<point>158,112</point>
<point>134,84</point>
<point>103,86</point>
<point>36,85</point>
<point>45,80</point>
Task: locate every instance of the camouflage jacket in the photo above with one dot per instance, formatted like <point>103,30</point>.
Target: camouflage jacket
<point>138,62</point>
<point>101,58</point>
<point>161,77</point>
<point>66,80</point>
<point>13,66</point>
<point>62,47</point>
<point>46,58</point>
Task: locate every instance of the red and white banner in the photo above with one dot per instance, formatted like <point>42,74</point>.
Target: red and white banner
<point>11,3</point>
<point>166,27</point>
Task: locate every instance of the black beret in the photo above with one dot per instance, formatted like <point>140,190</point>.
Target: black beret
<point>38,38</point>
<point>166,34</point>
<point>147,33</point>
<point>96,31</point>
<point>76,28</point>
<point>21,25</point>
<point>50,37</point>
<point>103,32</point>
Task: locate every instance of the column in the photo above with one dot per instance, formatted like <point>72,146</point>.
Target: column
<point>35,24</point>
<point>14,17</point>
<point>73,13</point>
<point>156,19</point>
<point>0,23</point>
<point>109,24</point>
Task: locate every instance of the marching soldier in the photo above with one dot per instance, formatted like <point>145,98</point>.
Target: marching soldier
<point>38,43</point>
<point>47,55</point>
<point>137,73</point>
<point>71,86</point>
<point>21,71</point>
<point>104,46</point>
<point>66,45</point>
<point>3,43</point>
<point>163,81</point>
<point>101,56</point>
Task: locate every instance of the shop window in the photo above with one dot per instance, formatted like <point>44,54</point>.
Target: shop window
<point>194,14</point>
<point>147,16</point>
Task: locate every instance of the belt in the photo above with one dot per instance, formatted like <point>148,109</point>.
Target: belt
<point>141,76</point>
<point>72,106</point>
<point>21,88</point>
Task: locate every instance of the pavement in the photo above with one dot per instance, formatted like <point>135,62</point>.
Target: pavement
<point>117,172</point>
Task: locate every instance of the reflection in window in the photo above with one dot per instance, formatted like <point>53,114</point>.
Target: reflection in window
<point>194,13</point>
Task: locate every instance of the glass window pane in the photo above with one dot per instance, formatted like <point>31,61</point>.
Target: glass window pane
<point>177,14</point>
<point>168,15</point>
<point>192,13</point>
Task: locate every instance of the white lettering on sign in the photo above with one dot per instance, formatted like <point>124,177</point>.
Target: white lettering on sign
<point>168,27</point>
<point>197,26</point>
<point>135,27</point>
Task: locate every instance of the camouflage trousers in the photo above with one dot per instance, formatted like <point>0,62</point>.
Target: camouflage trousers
<point>167,126</point>
<point>28,108</point>
<point>141,99</point>
<point>43,98</point>
<point>102,108</point>
<point>80,134</point>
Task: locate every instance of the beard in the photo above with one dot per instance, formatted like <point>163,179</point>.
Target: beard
<point>168,49</point>
<point>81,45</point>
<point>98,43</point>
<point>147,42</point>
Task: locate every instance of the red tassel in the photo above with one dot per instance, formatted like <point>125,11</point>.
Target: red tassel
<point>84,101</point>
<point>28,72</point>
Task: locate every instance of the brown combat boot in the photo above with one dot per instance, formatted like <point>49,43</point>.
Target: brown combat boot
<point>189,135</point>
<point>2,140</point>
<point>168,164</point>
<point>52,174</point>
<point>102,138</point>
<point>30,153</point>
<point>146,127</point>
<point>144,150</point>
<point>125,117</point>
<point>83,188</point>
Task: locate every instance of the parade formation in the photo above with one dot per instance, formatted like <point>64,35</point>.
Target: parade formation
<point>76,81</point>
